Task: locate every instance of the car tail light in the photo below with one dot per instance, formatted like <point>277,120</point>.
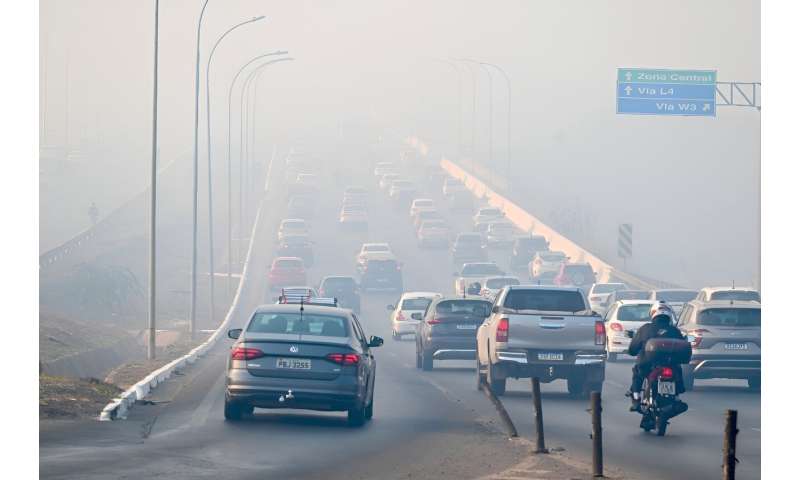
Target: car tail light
<point>666,373</point>
<point>344,358</point>
<point>695,337</point>
<point>400,317</point>
<point>599,333</point>
<point>617,327</point>
<point>595,298</point>
<point>502,330</point>
<point>245,353</point>
<point>434,321</point>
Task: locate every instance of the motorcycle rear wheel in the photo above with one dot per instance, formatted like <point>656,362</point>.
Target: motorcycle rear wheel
<point>661,426</point>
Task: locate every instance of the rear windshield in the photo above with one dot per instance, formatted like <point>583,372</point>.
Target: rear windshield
<point>489,211</point>
<point>429,214</point>
<point>632,295</point>
<point>501,282</point>
<point>532,244</point>
<point>343,283</point>
<point>381,265</point>
<point>495,227</point>
<point>676,297</point>
<point>742,295</point>
<point>295,240</point>
<point>423,203</point>
<point>480,269</point>
<point>469,239</point>
<point>415,304</point>
<point>293,323</point>
<point>634,313</point>
<point>376,248</point>
<point>607,287</point>
<point>294,224</point>
<point>288,263</point>
<point>433,224</point>
<point>477,308</point>
<point>546,300</point>
<point>552,257</point>
<point>730,317</point>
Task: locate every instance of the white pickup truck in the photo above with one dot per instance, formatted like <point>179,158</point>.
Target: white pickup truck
<point>542,331</point>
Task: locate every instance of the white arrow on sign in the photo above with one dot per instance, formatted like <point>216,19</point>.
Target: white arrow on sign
<point>706,107</point>
<point>628,76</point>
<point>628,90</point>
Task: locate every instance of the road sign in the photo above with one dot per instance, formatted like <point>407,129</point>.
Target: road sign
<point>642,91</point>
<point>625,240</point>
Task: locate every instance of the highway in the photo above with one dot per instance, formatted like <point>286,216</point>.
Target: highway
<point>426,423</point>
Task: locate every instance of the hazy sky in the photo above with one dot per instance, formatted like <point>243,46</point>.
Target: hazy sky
<point>689,185</point>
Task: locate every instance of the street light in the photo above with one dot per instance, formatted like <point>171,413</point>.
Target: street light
<point>230,176</point>
<point>454,66</point>
<point>151,312</point>
<point>474,113</point>
<point>491,108</point>
<point>212,270</point>
<point>508,123</point>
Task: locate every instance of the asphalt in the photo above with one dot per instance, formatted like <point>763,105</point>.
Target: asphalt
<point>426,423</point>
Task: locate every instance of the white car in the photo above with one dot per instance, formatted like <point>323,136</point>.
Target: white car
<point>386,180</point>
<point>621,316</point>
<point>292,226</point>
<point>545,265</point>
<point>490,286</point>
<point>675,297</point>
<point>487,214</point>
<point>599,293</point>
<point>452,185</point>
<point>353,216</point>
<point>740,294</point>
<point>372,250</point>
<point>420,205</point>
<point>409,304</point>
<point>382,168</point>
<point>500,234</point>
<point>433,233</point>
<point>475,272</point>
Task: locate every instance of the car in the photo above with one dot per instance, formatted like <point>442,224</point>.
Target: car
<point>627,295</point>
<point>292,226</point>
<point>426,215</point>
<point>599,293</point>
<point>490,286</point>
<point>624,316</point>
<point>487,214</point>
<point>483,229</point>
<point>382,168</point>
<point>500,234</point>
<point>433,233</point>
<point>311,357</point>
<point>372,250</point>
<point>353,216</point>
<point>742,294</point>
<point>475,272</point>
<point>297,246</point>
<point>355,200</point>
<point>382,273</point>
<point>544,332</point>
<point>356,191</point>
<point>344,289</point>
<point>460,201</point>
<point>675,297</point>
<point>446,330</point>
<point>577,274</point>
<point>419,205</point>
<point>546,264</point>
<point>286,271</point>
<point>452,185</point>
<point>302,206</point>
<point>402,190</point>
<point>407,305</point>
<point>523,250</point>
<point>386,180</point>
<point>726,341</point>
<point>468,247</point>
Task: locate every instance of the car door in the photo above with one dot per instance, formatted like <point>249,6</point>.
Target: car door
<point>367,372</point>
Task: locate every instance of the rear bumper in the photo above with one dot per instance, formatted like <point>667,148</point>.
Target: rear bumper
<point>270,392</point>
<point>405,327</point>
<point>725,367</point>
<point>452,348</point>
<point>516,365</point>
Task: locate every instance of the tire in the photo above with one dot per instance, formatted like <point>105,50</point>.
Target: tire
<point>427,360</point>
<point>754,384</point>
<point>419,358</point>
<point>395,336</point>
<point>688,377</point>
<point>479,377</point>
<point>611,357</point>
<point>357,416</point>
<point>497,385</point>
<point>369,410</point>
<point>233,411</point>
<point>661,426</point>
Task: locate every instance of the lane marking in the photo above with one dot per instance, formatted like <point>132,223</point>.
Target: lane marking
<point>203,411</point>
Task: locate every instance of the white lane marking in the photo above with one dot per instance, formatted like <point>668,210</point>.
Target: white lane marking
<point>203,411</point>
<point>616,384</point>
<point>392,354</point>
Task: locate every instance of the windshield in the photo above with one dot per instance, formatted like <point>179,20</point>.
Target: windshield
<point>469,239</point>
<point>730,317</point>
<point>634,313</point>
<point>501,282</point>
<point>415,304</point>
<point>294,323</point>
<point>340,283</point>
<point>480,269</point>
<point>607,287</point>
<point>545,300</point>
<point>433,224</point>
<point>578,270</point>
<point>477,308</point>
<point>632,295</point>
<point>288,263</point>
<point>742,295</point>
<point>675,296</point>
<point>376,248</point>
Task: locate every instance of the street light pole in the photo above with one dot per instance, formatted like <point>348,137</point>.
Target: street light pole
<point>193,311</point>
<point>474,113</point>
<point>508,123</point>
<point>491,108</point>
<point>151,313</point>
<point>454,66</point>
<point>210,187</point>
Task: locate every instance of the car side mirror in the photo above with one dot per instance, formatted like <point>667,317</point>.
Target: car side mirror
<point>629,333</point>
<point>375,342</point>
<point>390,307</point>
<point>234,333</point>
<point>416,316</point>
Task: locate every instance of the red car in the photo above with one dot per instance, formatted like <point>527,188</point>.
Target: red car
<point>287,271</point>
<point>579,275</point>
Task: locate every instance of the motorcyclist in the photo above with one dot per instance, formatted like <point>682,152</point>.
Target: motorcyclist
<point>660,326</point>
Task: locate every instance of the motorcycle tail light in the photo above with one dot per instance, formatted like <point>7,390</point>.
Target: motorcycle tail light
<point>666,373</point>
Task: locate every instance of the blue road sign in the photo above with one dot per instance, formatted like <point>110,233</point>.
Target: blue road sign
<point>666,92</point>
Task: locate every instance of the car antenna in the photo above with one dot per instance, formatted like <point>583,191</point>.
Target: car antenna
<point>733,284</point>
<point>464,290</point>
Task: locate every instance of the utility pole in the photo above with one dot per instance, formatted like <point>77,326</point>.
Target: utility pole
<point>508,123</point>
<point>151,317</point>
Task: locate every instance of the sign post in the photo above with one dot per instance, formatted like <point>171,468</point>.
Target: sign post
<point>625,243</point>
<point>643,91</point>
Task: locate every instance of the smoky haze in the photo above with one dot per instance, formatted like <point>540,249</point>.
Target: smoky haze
<point>690,186</point>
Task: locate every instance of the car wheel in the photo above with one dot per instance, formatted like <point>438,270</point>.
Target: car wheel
<point>395,336</point>
<point>356,416</point>
<point>611,357</point>
<point>233,411</point>
<point>369,410</point>
<point>480,377</point>
<point>418,357</point>
<point>497,385</point>
<point>754,384</point>
<point>427,360</point>
<point>688,377</point>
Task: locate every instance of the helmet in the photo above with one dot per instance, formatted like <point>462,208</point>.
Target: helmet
<point>661,308</point>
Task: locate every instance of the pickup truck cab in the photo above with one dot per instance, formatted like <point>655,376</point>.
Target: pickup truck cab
<point>542,331</point>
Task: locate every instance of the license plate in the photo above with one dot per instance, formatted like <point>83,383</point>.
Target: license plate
<point>550,356</point>
<point>294,363</point>
<point>666,388</point>
<point>466,327</point>
<point>735,346</point>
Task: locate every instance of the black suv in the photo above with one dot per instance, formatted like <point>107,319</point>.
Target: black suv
<point>297,246</point>
<point>447,329</point>
<point>524,249</point>
<point>469,247</point>
<point>344,289</point>
<point>382,274</point>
